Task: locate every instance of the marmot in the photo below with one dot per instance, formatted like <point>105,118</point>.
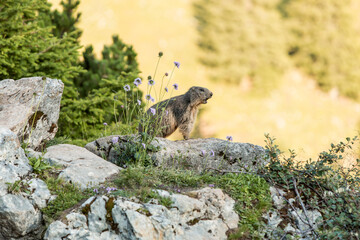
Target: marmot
<point>176,112</point>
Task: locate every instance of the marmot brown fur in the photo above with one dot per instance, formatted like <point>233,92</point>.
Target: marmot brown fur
<point>176,112</point>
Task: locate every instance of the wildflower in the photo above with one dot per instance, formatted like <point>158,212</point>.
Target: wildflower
<point>109,189</point>
<point>96,190</point>
<point>137,81</point>
<point>229,138</point>
<point>166,74</point>
<point>178,190</point>
<point>143,144</point>
<point>153,111</point>
<point>152,99</point>
<point>127,87</point>
<point>139,102</point>
<point>151,82</point>
<point>203,152</point>
<point>160,54</point>
<point>166,89</point>
<point>176,86</point>
<point>115,140</point>
<point>105,124</point>
<point>211,185</point>
<point>177,64</point>
<point>167,112</point>
<point>148,97</point>
<point>122,106</point>
<point>149,77</point>
<point>245,166</point>
<point>212,153</point>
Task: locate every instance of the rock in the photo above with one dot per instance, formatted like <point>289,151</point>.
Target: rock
<point>96,216</point>
<point>277,196</point>
<point>38,101</point>
<point>40,192</point>
<point>56,231</point>
<point>197,154</point>
<point>19,218</point>
<point>188,218</point>
<point>81,166</point>
<point>13,162</point>
<point>301,221</point>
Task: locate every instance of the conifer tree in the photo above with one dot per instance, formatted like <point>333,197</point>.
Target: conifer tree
<point>242,39</point>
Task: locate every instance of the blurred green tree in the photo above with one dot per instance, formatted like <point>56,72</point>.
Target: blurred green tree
<point>242,40</point>
<point>325,41</point>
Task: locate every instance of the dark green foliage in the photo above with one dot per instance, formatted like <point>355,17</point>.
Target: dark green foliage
<point>242,40</point>
<point>322,185</point>
<point>118,61</point>
<point>324,42</point>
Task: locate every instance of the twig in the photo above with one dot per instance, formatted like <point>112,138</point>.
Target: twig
<point>226,171</point>
<point>303,208</point>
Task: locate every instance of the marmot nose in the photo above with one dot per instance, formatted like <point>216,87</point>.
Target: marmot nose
<point>210,94</point>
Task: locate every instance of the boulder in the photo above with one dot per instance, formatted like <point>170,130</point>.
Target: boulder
<point>18,218</point>
<point>13,162</point>
<point>196,154</point>
<point>80,165</point>
<point>195,217</point>
<point>38,101</point>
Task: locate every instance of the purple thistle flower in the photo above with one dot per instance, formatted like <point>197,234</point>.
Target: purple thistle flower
<point>212,153</point>
<point>211,185</point>
<point>105,124</point>
<point>177,64</point>
<point>203,152</point>
<point>127,87</point>
<point>176,86</point>
<point>153,111</point>
<point>137,81</point>
<point>115,140</point>
<point>151,82</point>
<point>148,97</point>
<point>229,138</point>
<point>139,102</point>
<point>96,190</point>
<point>166,89</point>
<point>166,74</point>
<point>143,144</point>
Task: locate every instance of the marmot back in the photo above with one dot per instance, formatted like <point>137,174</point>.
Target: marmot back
<point>176,112</point>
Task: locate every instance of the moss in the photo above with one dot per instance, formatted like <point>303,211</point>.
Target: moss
<point>109,205</point>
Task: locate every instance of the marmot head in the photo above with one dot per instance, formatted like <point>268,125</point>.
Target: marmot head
<point>199,95</point>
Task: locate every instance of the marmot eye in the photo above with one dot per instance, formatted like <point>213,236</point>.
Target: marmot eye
<point>201,89</point>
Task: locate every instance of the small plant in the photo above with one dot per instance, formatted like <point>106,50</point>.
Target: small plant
<point>18,186</point>
<point>320,185</point>
<point>38,164</point>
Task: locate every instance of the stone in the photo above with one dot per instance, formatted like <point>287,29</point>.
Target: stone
<point>40,192</point>
<point>196,154</point>
<point>38,101</point>
<point>18,217</point>
<point>80,166</point>
<point>205,230</point>
<point>13,162</point>
<point>56,231</point>
<point>301,221</point>
<point>277,196</point>
<point>97,216</point>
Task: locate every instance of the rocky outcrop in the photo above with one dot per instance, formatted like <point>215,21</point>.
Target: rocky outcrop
<point>13,162</point>
<point>196,154</point>
<point>207,214</point>
<point>30,108</point>
<point>288,219</point>
<point>80,165</point>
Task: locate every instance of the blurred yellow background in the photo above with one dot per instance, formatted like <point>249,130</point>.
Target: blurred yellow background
<point>298,113</point>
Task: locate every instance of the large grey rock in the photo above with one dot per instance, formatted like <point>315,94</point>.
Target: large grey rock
<point>30,108</point>
<point>56,231</point>
<point>18,218</point>
<point>13,162</point>
<point>197,154</point>
<point>196,217</point>
<point>81,166</point>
